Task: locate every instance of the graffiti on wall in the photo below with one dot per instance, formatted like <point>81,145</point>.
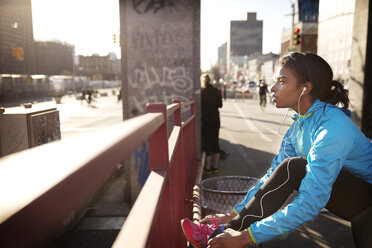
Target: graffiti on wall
<point>141,158</point>
<point>160,60</point>
<point>156,37</point>
<point>144,6</point>
<point>158,85</point>
<point>156,45</point>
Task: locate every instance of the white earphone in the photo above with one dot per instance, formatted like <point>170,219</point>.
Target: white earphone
<point>303,91</point>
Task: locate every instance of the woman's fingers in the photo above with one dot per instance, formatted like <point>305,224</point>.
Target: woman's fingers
<point>206,219</point>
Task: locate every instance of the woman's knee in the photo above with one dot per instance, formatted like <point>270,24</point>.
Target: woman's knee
<point>295,164</point>
<point>295,167</point>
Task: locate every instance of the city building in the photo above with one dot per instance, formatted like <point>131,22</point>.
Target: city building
<point>306,11</point>
<point>361,66</point>
<point>16,37</point>
<point>268,70</point>
<point>99,67</point>
<point>54,58</point>
<point>252,68</point>
<point>245,39</point>
<point>303,34</point>
<point>255,66</point>
<point>335,36</point>
<point>222,51</point>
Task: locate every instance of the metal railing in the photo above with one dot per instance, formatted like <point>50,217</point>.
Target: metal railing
<point>42,190</point>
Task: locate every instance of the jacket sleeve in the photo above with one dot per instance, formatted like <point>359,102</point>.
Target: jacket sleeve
<point>285,148</point>
<point>325,159</point>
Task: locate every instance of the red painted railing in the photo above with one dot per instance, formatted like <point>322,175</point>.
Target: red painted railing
<point>173,163</point>
<point>42,190</point>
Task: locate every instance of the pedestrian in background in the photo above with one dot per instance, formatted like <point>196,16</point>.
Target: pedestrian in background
<point>262,92</point>
<point>119,95</point>
<point>324,156</point>
<point>83,92</point>
<point>211,101</point>
<point>89,93</point>
<point>223,88</point>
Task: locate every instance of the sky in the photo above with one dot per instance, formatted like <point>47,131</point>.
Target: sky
<point>90,24</point>
<point>87,24</point>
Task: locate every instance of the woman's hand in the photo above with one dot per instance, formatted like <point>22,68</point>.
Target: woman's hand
<point>220,218</point>
<point>231,238</point>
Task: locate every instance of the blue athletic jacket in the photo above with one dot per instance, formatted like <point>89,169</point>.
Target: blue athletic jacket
<point>328,139</point>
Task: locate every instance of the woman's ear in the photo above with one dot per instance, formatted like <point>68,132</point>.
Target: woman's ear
<point>309,87</point>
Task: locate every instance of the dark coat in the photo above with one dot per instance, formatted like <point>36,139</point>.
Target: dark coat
<point>211,100</point>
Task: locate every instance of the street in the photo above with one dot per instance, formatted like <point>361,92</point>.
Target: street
<point>77,117</point>
<point>256,134</point>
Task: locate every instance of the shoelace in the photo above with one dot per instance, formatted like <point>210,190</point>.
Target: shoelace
<point>209,229</point>
<point>214,223</point>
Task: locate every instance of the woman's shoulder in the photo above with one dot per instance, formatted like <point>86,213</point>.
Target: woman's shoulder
<point>334,120</point>
<point>338,114</point>
<point>328,111</point>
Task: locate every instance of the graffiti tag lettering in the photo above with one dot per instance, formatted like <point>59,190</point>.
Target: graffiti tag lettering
<point>156,37</point>
<point>159,85</point>
<point>141,163</point>
<point>143,6</point>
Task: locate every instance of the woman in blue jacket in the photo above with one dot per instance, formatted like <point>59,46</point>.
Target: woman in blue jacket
<point>324,156</point>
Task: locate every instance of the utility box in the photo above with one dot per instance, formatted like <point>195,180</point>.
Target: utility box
<point>25,128</point>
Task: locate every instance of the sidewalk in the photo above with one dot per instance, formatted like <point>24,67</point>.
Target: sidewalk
<point>251,157</point>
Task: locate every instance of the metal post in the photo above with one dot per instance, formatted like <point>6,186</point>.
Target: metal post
<point>292,31</point>
<point>159,160</point>
<point>178,179</point>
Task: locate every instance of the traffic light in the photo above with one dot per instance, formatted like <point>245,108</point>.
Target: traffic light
<point>296,37</point>
<point>114,38</point>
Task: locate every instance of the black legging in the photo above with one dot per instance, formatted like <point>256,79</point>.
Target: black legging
<point>350,195</point>
<point>210,133</point>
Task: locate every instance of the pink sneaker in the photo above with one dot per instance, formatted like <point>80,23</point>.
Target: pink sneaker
<point>196,233</point>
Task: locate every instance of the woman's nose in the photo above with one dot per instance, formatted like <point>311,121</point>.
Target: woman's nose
<point>273,88</point>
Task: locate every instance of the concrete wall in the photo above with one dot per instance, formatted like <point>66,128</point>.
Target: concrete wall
<point>335,36</point>
<point>367,92</point>
<point>160,43</point>
<point>358,59</point>
<point>158,46</point>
